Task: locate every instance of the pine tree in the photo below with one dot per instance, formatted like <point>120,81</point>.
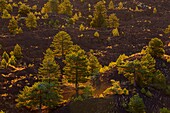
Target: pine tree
<point>159,80</point>
<point>147,70</point>
<point>81,28</point>
<point>99,15</point>
<point>96,34</point>
<point>3,4</point>
<point>17,52</point>
<point>120,5</point>
<point>154,10</point>
<point>24,10</point>
<point>61,44</point>
<point>113,21</point>
<point>115,32</point>
<point>76,66</point>
<point>136,105</point>
<point>31,21</point>
<point>93,64</point>
<point>54,5</point>
<point>12,61</point>
<point>156,48</point>
<point>111,5</point>
<point>5,56</point>
<point>45,8</point>
<point>13,26</point>
<point>40,94</point>
<point>65,8</point>
<point>141,72</point>
<point>4,63</point>
<point>49,70</point>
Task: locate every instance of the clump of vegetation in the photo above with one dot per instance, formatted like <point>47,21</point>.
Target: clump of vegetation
<point>74,18</point>
<point>136,105</point>
<point>120,5</point>
<point>17,52</point>
<point>167,30</point>
<point>96,34</point>
<point>5,56</point>
<point>164,110</point>
<point>148,93</point>
<point>87,92</point>
<point>156,48</point>
<point>5,14</point>
<point>154,10</point>
<point>53,23</point>
<point>111,5</point>
<point>115,32</point>
<point>12,60</point>
<point>81,28</point>
<point>9,7</point>
<point>34,7</point>
<point>3,4</point>
<point>4,63</point>
<point>116,89</point>
<point>45,16</point>
<point>143,91</point>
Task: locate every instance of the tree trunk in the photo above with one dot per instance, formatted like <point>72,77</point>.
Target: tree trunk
<point>135,78</point>
<point>76,84</point>
<point>40,110</point>
<point>62,58</point>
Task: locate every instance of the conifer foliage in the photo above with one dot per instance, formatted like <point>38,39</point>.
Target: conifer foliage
<point>155,47</point>
<point>17,52</point>
<point>93,64</point>
<point>24,9</point>
<point>65,8</point>
<point>5,14</point>
<point>13,26</point>
<point>142,72</point>
<point>49,70</point>
<point>40,94</point>
<point>61,44</point>
<point>76,66</point>
<point>113,21</point>
<point>31,21</point>
<point>99,15</point>
<point>136,105</point>
<point>3,4</point>
<point>111,5</point>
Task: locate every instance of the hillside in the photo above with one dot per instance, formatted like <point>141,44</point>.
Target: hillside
<point>138,25</point>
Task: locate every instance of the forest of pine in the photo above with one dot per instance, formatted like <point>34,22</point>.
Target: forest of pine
<point>84,56</point>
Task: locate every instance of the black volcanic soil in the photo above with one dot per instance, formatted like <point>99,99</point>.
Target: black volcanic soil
<point>136,30</point>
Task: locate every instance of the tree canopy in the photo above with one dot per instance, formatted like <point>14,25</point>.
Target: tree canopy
<point>76,66</point>
<point>61,44</point>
